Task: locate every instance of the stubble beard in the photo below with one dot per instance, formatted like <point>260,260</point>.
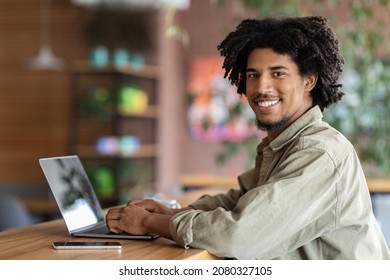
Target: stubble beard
<point>275,126</point>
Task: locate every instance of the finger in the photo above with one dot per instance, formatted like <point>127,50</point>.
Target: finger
<point>114,214</point>
<point>147,204</point>
<point>113,226</point>
<point>135,202</point>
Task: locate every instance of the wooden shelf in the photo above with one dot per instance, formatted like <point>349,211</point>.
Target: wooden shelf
<point>89,151</point>
<point>145,71</point>
<point>150,112</point>
<point>85,132</point>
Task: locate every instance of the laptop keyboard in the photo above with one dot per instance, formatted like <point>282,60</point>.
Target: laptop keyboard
<point>101,230</point>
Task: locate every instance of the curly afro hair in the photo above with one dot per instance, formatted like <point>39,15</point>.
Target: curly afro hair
<point>309,42</point>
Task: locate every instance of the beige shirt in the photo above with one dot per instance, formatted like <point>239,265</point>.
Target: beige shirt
<point>307,198</point>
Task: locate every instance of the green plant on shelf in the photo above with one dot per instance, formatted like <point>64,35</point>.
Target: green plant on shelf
<point>132,100</point>
<point>96,102</point>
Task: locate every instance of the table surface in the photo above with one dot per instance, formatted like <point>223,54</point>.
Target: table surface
<point>35,243</point>
<point>375,185</point>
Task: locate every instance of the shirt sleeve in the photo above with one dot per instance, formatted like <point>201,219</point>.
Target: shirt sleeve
<point>295,205</point>
<point>227,201</point>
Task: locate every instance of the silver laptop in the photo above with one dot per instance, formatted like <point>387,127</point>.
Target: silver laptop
<point>77,200</point>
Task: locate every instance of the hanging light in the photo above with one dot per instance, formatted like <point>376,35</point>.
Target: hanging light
<point>45,60</point>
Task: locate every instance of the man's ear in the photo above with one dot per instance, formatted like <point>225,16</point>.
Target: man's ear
<point>310,81</point>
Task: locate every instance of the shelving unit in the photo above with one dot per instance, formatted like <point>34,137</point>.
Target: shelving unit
<point>116,175</point>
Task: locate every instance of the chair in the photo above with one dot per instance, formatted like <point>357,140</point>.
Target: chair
<point>13,213</point>
<point>381,206</point>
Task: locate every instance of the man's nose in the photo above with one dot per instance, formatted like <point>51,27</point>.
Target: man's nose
<point>264,84</point>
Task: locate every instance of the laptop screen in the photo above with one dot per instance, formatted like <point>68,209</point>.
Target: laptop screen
<point>73,191</point>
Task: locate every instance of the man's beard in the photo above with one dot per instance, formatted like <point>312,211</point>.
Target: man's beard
<point>275,126</point>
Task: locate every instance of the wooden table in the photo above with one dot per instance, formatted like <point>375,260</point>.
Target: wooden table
<point>375,185</point>
<point>35,243</point>
<point>379,185</point>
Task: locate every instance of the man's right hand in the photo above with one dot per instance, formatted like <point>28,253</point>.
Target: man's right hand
<point>152,206</point>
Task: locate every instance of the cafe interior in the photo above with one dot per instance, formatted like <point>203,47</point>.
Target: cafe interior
<point>136,90</point>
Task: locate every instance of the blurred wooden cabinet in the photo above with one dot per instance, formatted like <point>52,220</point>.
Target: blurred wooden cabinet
<point>114,128</point>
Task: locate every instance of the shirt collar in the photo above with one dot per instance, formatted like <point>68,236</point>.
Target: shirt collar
<point>312,116</point>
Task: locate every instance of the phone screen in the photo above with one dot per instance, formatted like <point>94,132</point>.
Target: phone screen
<point>86,245</point>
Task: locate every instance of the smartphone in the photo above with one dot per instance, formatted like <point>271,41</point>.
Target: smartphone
<point>86,245</point>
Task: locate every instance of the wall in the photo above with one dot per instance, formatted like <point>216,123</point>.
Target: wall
<point>207,26</point>
<point>35,105</point>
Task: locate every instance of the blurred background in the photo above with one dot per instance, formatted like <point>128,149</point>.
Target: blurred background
<point>136,89</point>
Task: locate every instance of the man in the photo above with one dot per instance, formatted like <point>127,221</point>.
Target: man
<point>307,196</point>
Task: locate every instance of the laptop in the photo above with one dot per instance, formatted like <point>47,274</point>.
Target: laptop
<point>77,200</point>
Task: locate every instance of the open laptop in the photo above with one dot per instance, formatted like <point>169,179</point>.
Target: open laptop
<point>77,199</point>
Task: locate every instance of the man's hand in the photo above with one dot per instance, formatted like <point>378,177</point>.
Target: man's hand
<point>130,219</point>
<point>152,206</point>
<point>142,217</point>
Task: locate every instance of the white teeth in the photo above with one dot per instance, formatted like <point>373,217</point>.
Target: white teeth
<point>267,103</point>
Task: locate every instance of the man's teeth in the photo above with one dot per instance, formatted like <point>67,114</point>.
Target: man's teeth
<point>267,103</point>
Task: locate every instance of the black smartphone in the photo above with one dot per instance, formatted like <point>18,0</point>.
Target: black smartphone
<point>86,245</point>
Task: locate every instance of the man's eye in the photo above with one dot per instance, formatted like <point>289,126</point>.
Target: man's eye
<point>252,75</point>
<point>278,74</point>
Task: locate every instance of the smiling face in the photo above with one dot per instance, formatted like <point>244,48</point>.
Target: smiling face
<point>276,91</point>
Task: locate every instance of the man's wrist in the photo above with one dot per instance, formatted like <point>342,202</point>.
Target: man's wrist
<point>158,224</point>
